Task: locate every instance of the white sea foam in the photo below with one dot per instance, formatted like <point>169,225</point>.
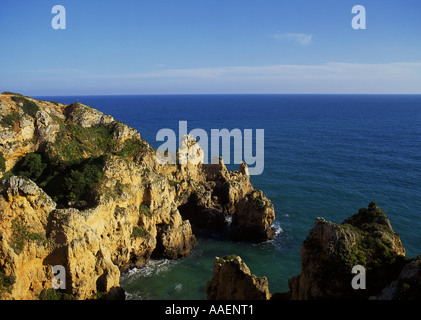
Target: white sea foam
<point>278,229</point>
<point>153,267</point>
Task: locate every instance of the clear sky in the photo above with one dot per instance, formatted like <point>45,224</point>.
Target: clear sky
<point>210,46</point>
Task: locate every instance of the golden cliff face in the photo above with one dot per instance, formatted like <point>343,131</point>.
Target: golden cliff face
<point>23,242</point>
<point>110,206</point>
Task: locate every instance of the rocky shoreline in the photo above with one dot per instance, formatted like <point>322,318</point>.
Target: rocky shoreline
<point>83,191</point>
<point>328,256</point>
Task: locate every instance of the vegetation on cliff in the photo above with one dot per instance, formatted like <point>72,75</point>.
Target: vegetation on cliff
<point>21,235</point>
<point>376,246</point>
<point>2,162</point>
<point>331,250</point>
<point>65,182</point>
<point>29,107</point>
<point>10,120</point>
<point>328,256</point>
<point>74,142</point>
<point>6,282</point>
<point>84,191</point>
<point>70,166</point>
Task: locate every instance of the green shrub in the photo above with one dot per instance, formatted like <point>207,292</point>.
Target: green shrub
<point>6,282</point>
<point>2,162</point>
<point>100,295</point>
<point>51,294</point>
<point>75,142</point>
<point>11,93</point>
<point>132,147</point>
<point>119,188</point>
<point>31,166</point>
<point>144,209</point>
<point>21,236</point>
<point>62,181</point>
<point>139,232</point>
<point>28,106</point>
<point>9,120</point>
<point>82,179</point>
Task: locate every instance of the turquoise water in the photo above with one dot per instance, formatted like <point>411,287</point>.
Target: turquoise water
<point>325,155</point>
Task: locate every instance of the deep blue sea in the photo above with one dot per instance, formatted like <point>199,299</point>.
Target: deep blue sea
<point>325,156</point>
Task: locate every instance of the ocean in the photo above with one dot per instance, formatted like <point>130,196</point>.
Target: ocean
<point>325,156</point>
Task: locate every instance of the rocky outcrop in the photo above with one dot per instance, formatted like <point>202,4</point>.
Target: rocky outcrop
<point>123,132</point>
<point>232,280</point>
<point>331,251</point>
<point>253,218</point>
<point>83,191</point>
<point>46,127</point>
<point>328,256</point>
<point>175,241</point>
<point>229,188</point>
<point>86,116</point>
<point>230,193</point>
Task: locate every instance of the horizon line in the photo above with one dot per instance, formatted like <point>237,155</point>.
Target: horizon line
<point>229,94</point>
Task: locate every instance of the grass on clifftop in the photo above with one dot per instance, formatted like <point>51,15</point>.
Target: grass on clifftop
<point>12,93</point>
<point>9,120</point>
<point>366,239</point>
<point>28,106</point>
<point>131,148</point>
<point>75,142</point>
<point>70,168</point>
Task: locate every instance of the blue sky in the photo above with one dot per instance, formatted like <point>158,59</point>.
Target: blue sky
<point>210,46</point>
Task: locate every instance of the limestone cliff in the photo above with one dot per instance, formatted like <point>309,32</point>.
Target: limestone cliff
<point>84,191</point>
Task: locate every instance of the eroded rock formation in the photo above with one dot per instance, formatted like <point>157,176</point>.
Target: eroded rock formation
<point>81,190</point>
<point>328,255</point>
<point>232,280</point>
<point>253,218</point>
<point>331,251</point>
